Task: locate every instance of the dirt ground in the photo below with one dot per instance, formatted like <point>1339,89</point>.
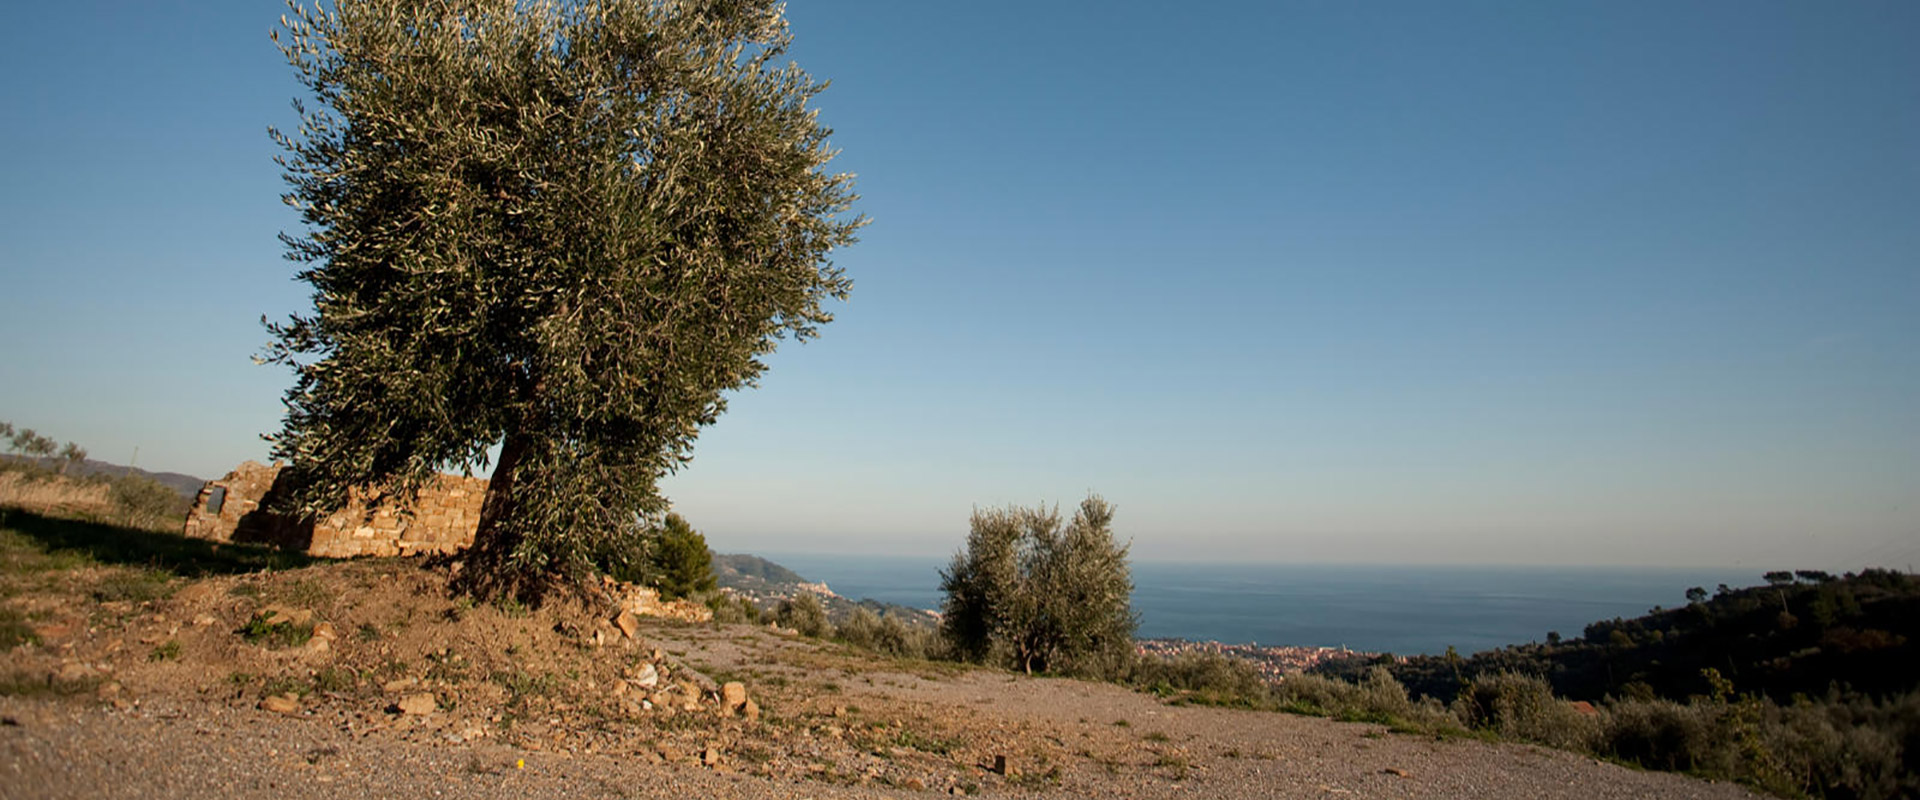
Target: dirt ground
<point>366,679</point>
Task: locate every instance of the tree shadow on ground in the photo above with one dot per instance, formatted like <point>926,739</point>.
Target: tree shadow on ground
<point>109,543</point>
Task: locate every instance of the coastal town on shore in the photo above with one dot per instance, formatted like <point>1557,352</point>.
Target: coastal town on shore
<point>1274,662</point>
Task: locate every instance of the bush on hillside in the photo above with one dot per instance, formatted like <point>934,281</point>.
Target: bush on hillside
<point>1523,707</point>
<point>887,635</point>
<point>804,613</point>
<point>728,609</point>
<point>1028,594</point>
<point>1209,678</point>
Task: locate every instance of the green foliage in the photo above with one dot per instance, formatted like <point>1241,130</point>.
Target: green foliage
<point>1204,678</point>
<point>1030,595</point>
<point>1523,708</point>
<point>682,564</point>
<point>28,442</point>
<point>275,635</point>
<point>888,635</point>
<point>70,455</point>
<point>567,229</point>
<point>165,651</point>
<point>730,610</point>
<point>147,503</point>
<point>804,613</point>
<point>1859,628</point>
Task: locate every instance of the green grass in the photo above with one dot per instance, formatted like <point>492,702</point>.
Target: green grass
<point>912,739</point>
<point>333,679</point>
<point>132,586</point>
<point>14,630</point>
<point>1177,766</point>
<point>277,635</point>
<point>167,651</point>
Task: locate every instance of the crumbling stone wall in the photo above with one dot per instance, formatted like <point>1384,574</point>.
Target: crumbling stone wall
<point>233,509</point>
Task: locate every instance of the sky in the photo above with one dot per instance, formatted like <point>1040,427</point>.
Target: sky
<point>1494,283</point>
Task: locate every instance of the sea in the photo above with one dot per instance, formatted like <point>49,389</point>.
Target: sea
<point>1405,610</point>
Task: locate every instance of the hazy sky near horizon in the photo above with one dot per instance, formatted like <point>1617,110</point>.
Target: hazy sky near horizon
<point>1565,283</point>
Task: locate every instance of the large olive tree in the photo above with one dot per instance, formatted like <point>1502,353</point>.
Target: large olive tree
<point>564,229</point>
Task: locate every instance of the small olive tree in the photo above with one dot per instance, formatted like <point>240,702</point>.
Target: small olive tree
<point>565,230</point>
<point>1031,595</point>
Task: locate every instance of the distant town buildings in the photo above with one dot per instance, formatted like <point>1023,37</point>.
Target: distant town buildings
<point>1274,662</point>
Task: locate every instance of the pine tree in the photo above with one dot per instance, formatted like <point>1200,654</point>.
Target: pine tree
<point>682,564</point>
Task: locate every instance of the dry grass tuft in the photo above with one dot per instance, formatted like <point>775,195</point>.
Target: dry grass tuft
<point>41,494</point>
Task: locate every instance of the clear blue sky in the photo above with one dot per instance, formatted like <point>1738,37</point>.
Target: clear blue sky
<point>1373,282</point>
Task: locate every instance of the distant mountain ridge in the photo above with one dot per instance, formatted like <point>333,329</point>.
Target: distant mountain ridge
<point>187,485</point>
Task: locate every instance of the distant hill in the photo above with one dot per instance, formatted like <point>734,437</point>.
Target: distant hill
<point>1799,634</point>
<point>767,583</point>
<point>187,485</point>
<point>742,571</point>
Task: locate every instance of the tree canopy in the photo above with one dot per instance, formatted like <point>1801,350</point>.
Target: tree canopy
<point>560,229</point>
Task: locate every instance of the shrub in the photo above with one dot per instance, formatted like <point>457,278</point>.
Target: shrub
<point>803,612</point>
<point>728,609</point>
<point>1523,707</point>
<point>1660,734</point>
<point>1849,745</point>
<point>1376,697</point>
<point>1210,678</point>
<point>885,634</point>
<point>148,503</point>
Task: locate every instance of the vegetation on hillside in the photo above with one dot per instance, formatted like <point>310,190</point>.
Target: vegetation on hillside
<point>36,484</point>
<point>1803,686</point>
<point>1795,635</point>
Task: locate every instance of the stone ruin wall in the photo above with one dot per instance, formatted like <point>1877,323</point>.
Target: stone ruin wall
<point>444,517</point>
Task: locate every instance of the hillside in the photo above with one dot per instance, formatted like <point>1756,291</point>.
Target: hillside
<point>1796,635</point>
<point>753,573</point>
<point>118,678</point>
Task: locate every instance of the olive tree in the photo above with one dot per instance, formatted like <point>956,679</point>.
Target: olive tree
<point>1028,594</point>
<point>562,229</point>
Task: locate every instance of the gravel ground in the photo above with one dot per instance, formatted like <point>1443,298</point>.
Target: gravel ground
<point>133,687</point>
<point>1069,738</point>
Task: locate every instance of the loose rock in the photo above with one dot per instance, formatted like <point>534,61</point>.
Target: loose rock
<point>281,704</point>
<point>733,697</point>
<point>628,623</point>
<point>420,704</point>
<point>646,677</point>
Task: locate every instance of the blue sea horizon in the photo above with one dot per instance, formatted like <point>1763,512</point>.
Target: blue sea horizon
<point>1405,610</point>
